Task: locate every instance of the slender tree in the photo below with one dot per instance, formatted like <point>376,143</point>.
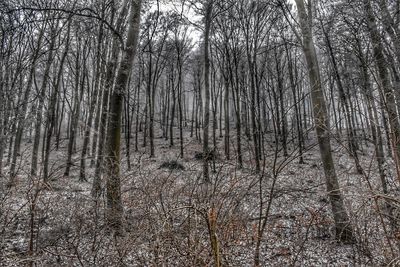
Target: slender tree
<point>344,231</point>
<point>114,201</point>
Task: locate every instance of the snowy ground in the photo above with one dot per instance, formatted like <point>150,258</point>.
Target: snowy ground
<point>166,210</point>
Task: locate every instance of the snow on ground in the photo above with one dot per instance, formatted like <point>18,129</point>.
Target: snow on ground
<point>166,211</point>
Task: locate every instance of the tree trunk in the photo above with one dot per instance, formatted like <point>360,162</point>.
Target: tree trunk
<point>52,111</point>
<point>95,96</point>
<point>206,123</point>
<point>22,114</point>
<point>226,120</point>
<point>293,82</point>
<point>150,101</point>
<point>108,84</point>
<point>171,126</point>
<point>114,210</point>
<point>344,231</point>
<point>389,98</point>
<point>73,126</point>
<point>39,110</point>
<point>345,102</point>
<point>374,122</point>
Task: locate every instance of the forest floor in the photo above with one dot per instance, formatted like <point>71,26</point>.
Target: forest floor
<point>166,212</point>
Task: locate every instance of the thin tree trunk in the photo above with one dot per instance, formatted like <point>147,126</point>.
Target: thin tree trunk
<point>292,77</point>
<point>22,114</point>
<point>171,126</point>
<point>374,124</point>
<point>390,102</point>
<point>39,114</point>
<point>206,123</point>
<point>52,111</point>
<point>150,103</point>
<point>226,120</point>
<point>344,231</point>
<point>88,125</point>
<point>180,92</point>
<point>73,127</point>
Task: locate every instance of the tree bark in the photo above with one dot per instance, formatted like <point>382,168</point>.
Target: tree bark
<point>389,98</point>
<point>206,123</point>
<point>88,125</point>
<point>39,111</point>
<point>344,231</point>
<point>22,114</point>
<point>114,210</point>
<point>52,111</point>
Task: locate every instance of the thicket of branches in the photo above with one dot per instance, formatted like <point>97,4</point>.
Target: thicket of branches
<point>242,92</point>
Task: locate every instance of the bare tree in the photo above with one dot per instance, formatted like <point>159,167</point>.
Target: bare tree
<point>344,230</point>
<point>112,172</point>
